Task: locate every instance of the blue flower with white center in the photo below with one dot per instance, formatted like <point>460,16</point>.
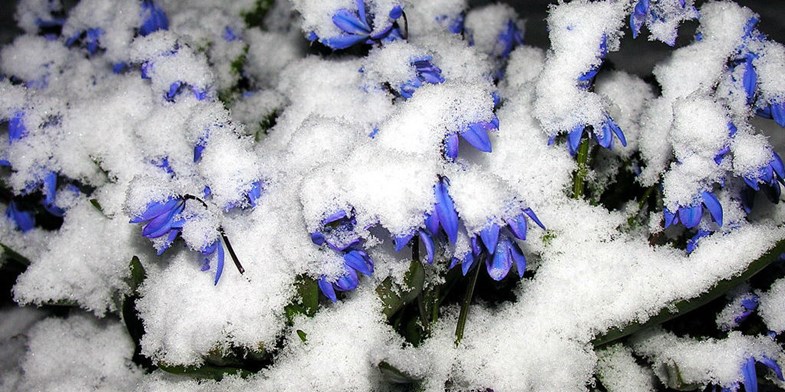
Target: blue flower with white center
<point>354,261</point>
<point>24,220</point>
<point>690,216</point>
<point>476,134</point>
<point>162,218</point>
<point>608,129</point>
<point>216,250</point>
<point>355,28</point>
<point>425,72</point>
<point>153,18</point>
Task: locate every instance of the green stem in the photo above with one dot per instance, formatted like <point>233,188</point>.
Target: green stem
<point>435,305</point>
<point>683,307</point>
<point>582,171</point>
<point>465,305</point>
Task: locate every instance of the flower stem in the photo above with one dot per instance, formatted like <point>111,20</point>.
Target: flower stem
<point>420,303</point>
<point>465,305</point>
<point>583,169</point>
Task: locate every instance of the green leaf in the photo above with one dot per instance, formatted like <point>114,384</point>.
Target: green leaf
<point>255,16</point>
<point>10,254</point>
<point>682,307</point>
<point>393,375</point>
<point>307,302</point>
<point>204,372</point>
<point>138,274</point>
<point>393,297</point>
<point>303,336</point>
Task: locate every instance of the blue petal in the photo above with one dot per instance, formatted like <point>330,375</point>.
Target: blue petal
<point>93,35</point>
<point>16,127</point>
<point>690,216</point>
<point>348,281</point>
<point>327,289</point>
<point>750,376</point>
<point>219,268</point>
<point>638,17</point>
<point>396,12</point>
<point>467,263</point>
<point>451,143</point>
<point>778,113</point>
<point>402,240</point>
<point>432,223</point>
<point>317,238</point>
<point>750,78</point>
<point>349,22</point>
<point>361,12</point>
<point>490,237</point>
<point>360,261</point>
<point>475,245</point>
<point>518,226</point>
<point>168,243</point>
<point>499,265</point>
<point>155,209</point>
<point>616,131</point>
<point>335,216</point>
<point>343,41</point>
<point>161,224</point>
<point>605,136</point>
<point>50,188</point>
<point>574,138</point>
<point>777,165</point>
<point>25,220</point>
<point>519,259</point>
<point>429,246</point>
<point>445,210</point>
<point>254,193</point>
<point>453,263</point>
<point>772,364</point>
<point>476,135</point>
<point>670,218</point>
<point>713,205</point>
<point>154,18</point>
<point>533,216</point>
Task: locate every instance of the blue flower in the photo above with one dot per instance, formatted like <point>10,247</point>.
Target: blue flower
<point>24,220</point>
<point>750,376</point>
<point>424,237</point>
<point>425,72</point>
<point>586,79</point>
<point>356,28</point>
<point>337,232</point>
<point>476,134</point>
<point>604,138</point>
<point>178,87</point>
<point>638,17</point>
<point>153,18</point>
<point>690,216</point>
<point>773,110</point>
<point>508,40</point>
<point>162,218</point>
<point>500,247</point>
<point>692,243</point>
<point>354,261</point>
<point>773,174</point>
<point>91,36</point>
<point>217,250</point>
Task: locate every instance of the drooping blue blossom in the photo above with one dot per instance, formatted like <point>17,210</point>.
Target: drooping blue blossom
<point>771,175</point>
<point>750,376</point>
<point>692,243</point>
<point>605,136</point>
<point>499,246</point>
<point>356,28</point>
<point>354,261</point>
<point>162,218</point>
<point>153,18</point>
<point>216,250</point>
<point>24,220</point>
<point>690,216</point>
<point>425,72</point>
<point>337,231</point>
<point>586,79</point>
<point>476,134</point>
<point>638,17</point>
